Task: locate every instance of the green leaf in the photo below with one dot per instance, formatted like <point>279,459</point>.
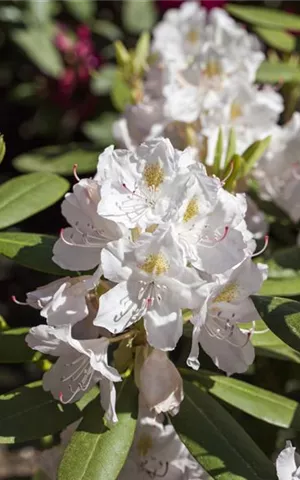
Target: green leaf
<point>257,402</point>
<point>282,316</point>
<point>231,147</point>
<point>102,80</point>
<point>272,18</point>
<point>26,195</point>
<point>281,286</point>
<point>40,11</point>
<point>13,348</point>
<point>11,14</point>
<point>139,15</point>
<point>269,72</point>
<point>2,148</point>
<point>29,412</point>
<point>283,41</point>
<point>253,153</point>
<point>217,441</point>
<point>58,159</point>
<point>31,250</point>
<point>218,153</point>
<point>38,45</point>
<point>288,258</point>
<point>100,130</point>
<point>141,53</point>
<point>107,29</point>
<point>82,10</point>
<point>120,93</point>
<point>95,452</point>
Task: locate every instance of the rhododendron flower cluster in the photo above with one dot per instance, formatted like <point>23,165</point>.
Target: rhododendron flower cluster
<point>164,238</point>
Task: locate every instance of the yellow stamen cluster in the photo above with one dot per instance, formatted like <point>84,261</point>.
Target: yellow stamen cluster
<point>235,111</point>
<point>193,36</point>
<point>228,294</point>
<point>155,263</point>
<point>192,210</point>
<point>213,68</point>
<point>144,444</point>
<point>153,175</point>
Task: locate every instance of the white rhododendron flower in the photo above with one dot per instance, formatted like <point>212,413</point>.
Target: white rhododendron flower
<point>288,463</point>
<point>65,301</point>
<point>80,245</point>
<point>160,383</point>
<point>81,364</point>
<point>157,452</point>
<point>278,171</point>
<point>225,304</point>
<point>153,282</point>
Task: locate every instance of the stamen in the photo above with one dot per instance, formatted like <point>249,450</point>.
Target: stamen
<point>75,166</point>
<point>18,302</point>
<point>224,234</point>
<point>264,247</point>
<point>229,173</point>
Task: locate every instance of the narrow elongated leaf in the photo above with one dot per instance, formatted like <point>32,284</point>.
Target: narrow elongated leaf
<point>281,286</point>
<point>120,93</point>
<point>267,17</point>
<point>29,412</point>
<point>254,152</point>
<point>26,195</point>
<point>2,148</point>
<point>217,441</point>
<point>282,315</point>
<point>262,404</point>
<point>138,15</point>
<point>82,10</point>
<point>38,45</point>
<point>283,41</point>
<point>95,452</point>
<point>218,153</point>
<point>269,72</point>
<point>31,250</point>
<point>58,159</point>
<point>230,148</point>
<point>141,53</point>
<point>13,348</point>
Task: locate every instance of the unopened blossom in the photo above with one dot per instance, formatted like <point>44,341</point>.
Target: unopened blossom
<point>80,245</point>
<point>157,452</point>
<point>65,301</point>
<point>153,282</point>
<point>288,463</point>
<point>278,171</point>
<point>225,304</point>
<point>160,383</point>
<point>82,363</point>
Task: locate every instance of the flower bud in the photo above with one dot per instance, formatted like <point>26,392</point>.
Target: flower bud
<point>161,384</point>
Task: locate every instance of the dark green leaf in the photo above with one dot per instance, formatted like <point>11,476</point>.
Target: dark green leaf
<point>217,441</point>
<point>26,195</point>
<point>273,18</point>
<point>277,72</point>
<point>31,250</point>
<point>58,159</point>
<point>282,316</point>
<point>139,15</point>
<point>2,148</point>
<point>102,80</point>
<point>288,258</point>
<point>95,452</point>
<point>107,29</point>
<point>13,348</point>
<point>262,404</point>
<point>283,41</point>
<point>38,45</point>
<point>100,130</point>
<point>29,412</point>
<point>82,10</point>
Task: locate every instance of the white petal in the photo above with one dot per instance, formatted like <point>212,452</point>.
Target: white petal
<point>108,400</point>
<point>163,327</point>
<point>285,463</point>
<point>49,340</point>
<point>75,254</point>
<point>117,309</point>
